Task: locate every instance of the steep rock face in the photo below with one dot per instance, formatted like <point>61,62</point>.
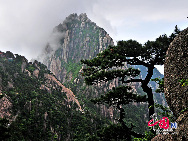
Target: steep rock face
<point>79,38</point>
<point>176,68</point>
<point>52,82</point>
<point>5,106</point>
<point>70,96</point>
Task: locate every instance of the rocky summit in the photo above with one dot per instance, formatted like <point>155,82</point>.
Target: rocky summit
<point>76,38</point>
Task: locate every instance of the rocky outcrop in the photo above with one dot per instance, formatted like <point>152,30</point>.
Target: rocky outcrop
<point>70,96</point>
<point>160,137</point>
<point>5,106</point>
<point>175,69</point>
<point>36,73</point>
<point>52,82</point>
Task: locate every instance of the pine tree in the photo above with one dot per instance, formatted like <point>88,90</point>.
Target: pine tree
<point>109,64</point>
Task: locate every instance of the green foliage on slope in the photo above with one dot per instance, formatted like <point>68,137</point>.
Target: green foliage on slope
<point>37,114</point>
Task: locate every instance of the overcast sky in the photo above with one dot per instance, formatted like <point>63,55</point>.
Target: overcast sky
<point>25,25</point>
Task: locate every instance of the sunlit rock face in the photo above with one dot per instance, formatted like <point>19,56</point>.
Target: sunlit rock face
<point>175,69</point>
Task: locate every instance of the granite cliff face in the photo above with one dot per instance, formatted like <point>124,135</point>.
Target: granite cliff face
<point>175,69</point>
<point>75,39</point>
<point>70,96</point>
<point>79,38</point>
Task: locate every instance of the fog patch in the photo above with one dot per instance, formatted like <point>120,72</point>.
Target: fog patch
<point>53,43</point>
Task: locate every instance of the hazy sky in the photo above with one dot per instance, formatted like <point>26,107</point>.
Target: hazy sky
<point>25,25</point>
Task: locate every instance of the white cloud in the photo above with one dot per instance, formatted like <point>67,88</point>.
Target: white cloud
<point>25,25</point>
<point>160,68</point>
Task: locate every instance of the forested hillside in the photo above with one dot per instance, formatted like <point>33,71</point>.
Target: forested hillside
<point>34,106</point>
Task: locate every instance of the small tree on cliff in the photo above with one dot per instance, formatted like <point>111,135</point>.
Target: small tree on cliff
<point>108,66</point>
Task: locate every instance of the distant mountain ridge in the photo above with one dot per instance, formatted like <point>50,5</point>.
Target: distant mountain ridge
<point>158,98</point>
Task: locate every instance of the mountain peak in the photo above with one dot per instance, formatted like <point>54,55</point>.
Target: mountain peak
<point>81,17</point>
<point>75,39</point>
<point>72,20</point>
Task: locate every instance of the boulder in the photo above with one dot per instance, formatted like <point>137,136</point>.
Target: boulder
<point>175,69</point>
